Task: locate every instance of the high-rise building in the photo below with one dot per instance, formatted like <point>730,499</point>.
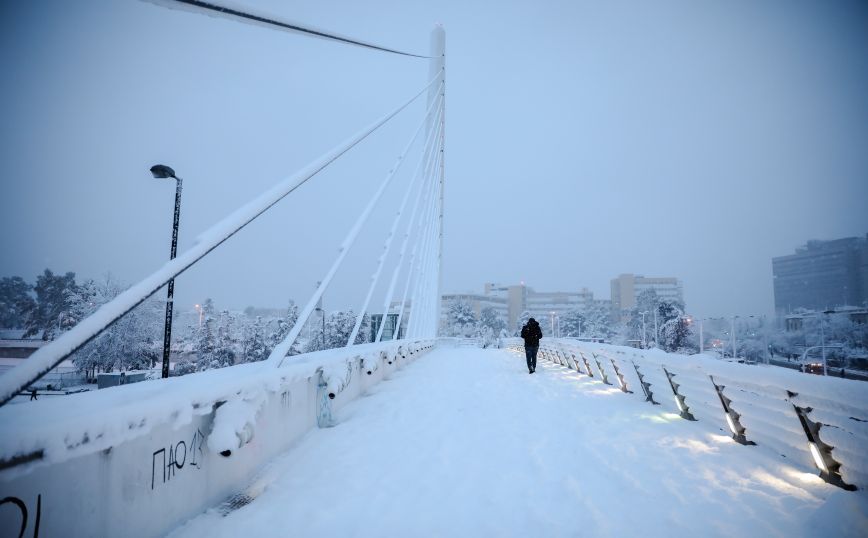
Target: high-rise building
<point>627,287</point>
<point>822,275</point>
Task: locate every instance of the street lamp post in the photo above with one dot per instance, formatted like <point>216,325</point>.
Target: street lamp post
<point>161,171</point>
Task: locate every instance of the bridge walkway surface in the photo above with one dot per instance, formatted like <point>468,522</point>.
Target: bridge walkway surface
<point>464,442</point>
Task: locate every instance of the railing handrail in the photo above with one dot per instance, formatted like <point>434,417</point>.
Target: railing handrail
<point>780,408</point>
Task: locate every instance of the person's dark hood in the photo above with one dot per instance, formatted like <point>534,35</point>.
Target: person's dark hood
<point>532,321</point>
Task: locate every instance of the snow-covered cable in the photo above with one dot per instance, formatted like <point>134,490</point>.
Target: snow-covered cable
<point>411,275</point>
<point>425,287</point>
<point>411,264</point>
<point>403,251</point>
<point>49,356</point>
<point>246,15</point>
<point>418,274</point>
<point>419,277</point>
<point>375,278</point>
<point>439,280</point>
<point>281,350</point>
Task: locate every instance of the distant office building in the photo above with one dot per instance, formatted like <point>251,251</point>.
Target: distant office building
<point>822,275</point>
<point>510,301</point>
<point>627,287</point>
<point>477,301</point>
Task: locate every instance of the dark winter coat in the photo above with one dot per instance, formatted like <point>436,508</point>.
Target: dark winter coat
<point>531,333</point>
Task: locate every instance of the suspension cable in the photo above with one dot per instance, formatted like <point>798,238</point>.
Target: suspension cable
<point>418,276</point>
<point>52,354</point>
<point>282,349</point>
<point>268,21</point>
<point>422,227</point>
<point>375,278</point>
<point>387,303</point>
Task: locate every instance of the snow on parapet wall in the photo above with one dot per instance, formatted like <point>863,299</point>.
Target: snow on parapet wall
<point>763,398</point>
<point>63,428</point>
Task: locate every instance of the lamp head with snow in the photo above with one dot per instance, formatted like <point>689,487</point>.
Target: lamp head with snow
<point>161,171</point>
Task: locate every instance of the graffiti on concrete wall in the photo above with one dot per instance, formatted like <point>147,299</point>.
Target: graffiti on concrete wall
<point>21,506</point>
<point>176,457</point>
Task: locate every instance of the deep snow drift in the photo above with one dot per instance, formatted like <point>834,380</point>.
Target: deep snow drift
<point>466,443</point>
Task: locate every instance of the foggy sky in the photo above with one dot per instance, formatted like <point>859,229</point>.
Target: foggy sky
<point>584,140</point>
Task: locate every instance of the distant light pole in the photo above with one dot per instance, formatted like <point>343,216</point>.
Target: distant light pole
<point>823,338</point>
<point>656,344</point>
<point>161,171</point>
<point>322,315</point>
<point>199,310</point>
<point>701,335</point>
<point>732,335</point>
<point>644,342</point>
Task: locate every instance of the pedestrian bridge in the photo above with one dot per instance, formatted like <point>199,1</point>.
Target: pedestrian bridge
<point>419,435</point>
<point>444,439</point>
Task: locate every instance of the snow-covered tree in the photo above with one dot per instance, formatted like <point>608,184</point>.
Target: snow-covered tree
<point>254,348</point>
<point>646,302</point>
<point>52,312</point>
<point>205,346</point>
<point>16,302</point>
<point>573,323</point>
<point>279,328</point>
<point>130,343</point>
<point>460,318</point>
<point>338,327</point>
<point>224,352</point>
<point>491,319</point>
<point>674,331</point>
<point>598,319</point>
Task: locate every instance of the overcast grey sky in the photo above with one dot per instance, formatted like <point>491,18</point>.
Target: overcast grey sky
<point>584,139</point>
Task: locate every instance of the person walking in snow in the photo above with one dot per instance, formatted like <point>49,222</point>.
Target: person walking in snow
<point>531,333</point>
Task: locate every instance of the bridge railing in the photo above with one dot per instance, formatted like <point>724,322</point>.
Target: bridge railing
<point>138,460</point>
<point>814,422</point>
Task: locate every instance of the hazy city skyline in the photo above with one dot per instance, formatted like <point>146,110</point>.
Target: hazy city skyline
<point>664,140</point>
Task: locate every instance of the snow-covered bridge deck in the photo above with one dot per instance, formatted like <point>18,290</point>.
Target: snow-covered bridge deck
<point>464,442</point>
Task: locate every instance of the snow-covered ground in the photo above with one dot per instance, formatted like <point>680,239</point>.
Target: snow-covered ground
<point>464,442</point>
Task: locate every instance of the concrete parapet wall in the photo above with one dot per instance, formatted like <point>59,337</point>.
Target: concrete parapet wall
<point>147,463</point>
